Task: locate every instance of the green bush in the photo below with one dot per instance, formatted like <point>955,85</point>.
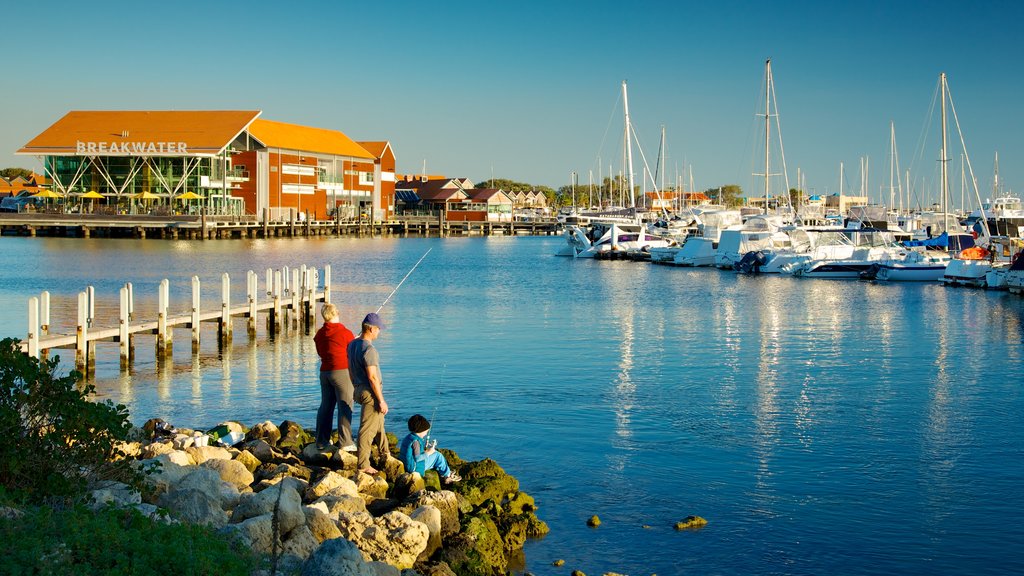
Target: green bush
<point>113,542</point>
<point>54,441</point>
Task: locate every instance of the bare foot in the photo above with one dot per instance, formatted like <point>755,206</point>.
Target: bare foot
<point>370,471</point>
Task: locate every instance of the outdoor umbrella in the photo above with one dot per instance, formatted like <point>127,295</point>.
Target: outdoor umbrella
<point>92,195</point>
<point>46,194</point>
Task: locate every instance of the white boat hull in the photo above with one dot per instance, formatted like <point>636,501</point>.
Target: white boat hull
<point>696,251</point>
<point>967,273</point>
<point>894,272</point>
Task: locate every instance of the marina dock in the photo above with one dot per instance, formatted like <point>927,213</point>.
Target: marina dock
<point>200,227</point>
<point>288,299</point>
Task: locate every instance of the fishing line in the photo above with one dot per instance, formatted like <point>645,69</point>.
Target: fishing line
<point>404,278</point>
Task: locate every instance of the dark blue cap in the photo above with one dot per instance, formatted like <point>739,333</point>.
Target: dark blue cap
<point>373,319</point>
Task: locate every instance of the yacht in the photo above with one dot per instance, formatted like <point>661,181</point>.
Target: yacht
<point>847,253</point>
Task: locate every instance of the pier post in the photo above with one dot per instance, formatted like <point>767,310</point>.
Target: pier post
<point>33,327</point>
<point>266,222</point>
<point>85,231</point>
<point>327,283</point>
<point>202,221</point>
<point>225,308</point>
<point>44,313</point>
<point>131,316</point>
<point>252,288</point>
<point>291,226</point>
<point>163,333</point>
<point>196,299</point>
<point>308,225</point>
<point>295,289</point>
<point>308,296</point>
<point>123,328</point>
<point>275,312</point>
<point>81,333</point>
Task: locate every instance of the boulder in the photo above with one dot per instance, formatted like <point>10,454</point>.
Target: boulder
<point>320,524</point>
<point>300,542</point>
<point>162,480</point>
<point>182,441</point>
<point>181,458</point>
<point>256,533</point>
<point>445,502</point>
<point>195,507</point>
<point>230,496</point>
<point>283,496</point>
<point>250,462</point>
<point>477,551</point>
<point>393,468</point>
<point>203,453</point>
<point>266,431</point>
<point>263,451</point>
<point>394,538</point>
<point>128,449</point>
<point>271,471</point>
<point>299,483</point>
<point>154,449</point>
<point>371,487</point>
<point>313,455</point>
<point>434,569</point>
<point>293,437</point>
<point>203,479</point>
<point>231,471</point>
<point>117,494</point>
<point>406,485</point>
<point>344,459</point>
<point>431,518</point>
<point>232,426</point>
<point>339,557</point>
<point>334,505</point>
<point>331,483</point>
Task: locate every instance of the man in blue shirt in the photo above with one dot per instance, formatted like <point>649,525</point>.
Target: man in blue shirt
<point>364,369</point>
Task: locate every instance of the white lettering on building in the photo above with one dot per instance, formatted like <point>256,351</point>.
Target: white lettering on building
<point>130,148</point>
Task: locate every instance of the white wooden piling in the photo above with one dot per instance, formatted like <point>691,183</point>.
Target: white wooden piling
<point>33,327</point>
<point>165,334</point>
<point>82,331</point>
<point>195,313</point>
<point>225,307</point>
<point>296,289</point>
<point>252,287</point>
<point>90,294</point>
<point>123,333</point>
<point>131,301</point>
<point>327,283</point>
<point>44,313</point>
<point>275,318</point>
<point>270,282</point>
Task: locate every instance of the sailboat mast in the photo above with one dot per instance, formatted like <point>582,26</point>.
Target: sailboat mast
<point>892,164</point>
<point>629,146</point>
<point>767,127</point>
<point>944,188</point>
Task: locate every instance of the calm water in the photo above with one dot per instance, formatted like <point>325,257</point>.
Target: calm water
<point>820,426</point>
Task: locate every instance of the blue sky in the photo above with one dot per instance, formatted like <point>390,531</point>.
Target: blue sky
<point>530,90</point>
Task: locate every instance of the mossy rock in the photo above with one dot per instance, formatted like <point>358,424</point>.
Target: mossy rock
<point>481,469</point>
<point>593,521</point>
<point>479,490</point>
<point>488,541</point>
<point>293,437</point>
<point>691,523</point>
<point>520,503</point>
<point>514,531</point>
<point>392,442</point>
<point>453,458</point>
<point>536,527</point>
<point>468,557</point>
<point>432,481</point>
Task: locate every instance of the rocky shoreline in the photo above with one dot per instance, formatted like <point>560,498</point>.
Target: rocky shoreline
<point>312,512</point>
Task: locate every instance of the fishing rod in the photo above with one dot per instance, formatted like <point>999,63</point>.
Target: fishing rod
<point>404,279</point>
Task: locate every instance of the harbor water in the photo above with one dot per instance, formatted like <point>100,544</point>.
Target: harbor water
<point>821,427</point>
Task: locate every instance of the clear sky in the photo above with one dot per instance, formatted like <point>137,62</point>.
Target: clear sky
<point>530,90</point>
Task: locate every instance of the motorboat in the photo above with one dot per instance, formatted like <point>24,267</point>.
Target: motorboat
<point>608,237</point>
<point>758,233</point>
<point>847,253</point>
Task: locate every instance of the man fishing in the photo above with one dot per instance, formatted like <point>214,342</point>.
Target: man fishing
<point>364,369</point>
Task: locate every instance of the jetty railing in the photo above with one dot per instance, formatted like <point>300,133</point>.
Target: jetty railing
<point>290,296</point>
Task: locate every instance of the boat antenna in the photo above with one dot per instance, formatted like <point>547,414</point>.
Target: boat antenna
<point>404,279</point>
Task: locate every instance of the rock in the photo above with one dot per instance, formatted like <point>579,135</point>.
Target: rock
<point>231,471</point>
<point>283,495</point>
<point>232,426</point>
<point>300,542</point>
<point>445,502</point>
<point>593,521</point>
<point>270,471</point>
<point>250,462</point>
<point>558,562</point>
<point>320,525</point>
<point>299,483</point>
<point>433,569</point>
<point>181,458</point>
<point>11,513</point>
<point>181,441</point>
<point>150,511</point>
<point>195,507</point>
<point>203,479</point>
<point>431,518</point>
<point>293,437</point>
<point>578,573</point>
<point>334,506</point>
<point>520,503</point>
<point>154,449</point>
<point>313,455</point>
<point>691,523</point>
<point>406,485</point>
<point>263,451</point>
<point>370,487</point>
<point>256,533</point>
<point>131,449</point>
<point>338,557</point>
<point>346,460</point>
<point>485,480</point>
<point>265,431</point>
<point>393,468</point>
<point>331,483</point>
<point>229,495</point>
<point>394,538</point>
<point>164,479</point>
<point>203,453</point>
<point>462,556</point>
<point>116,493</point>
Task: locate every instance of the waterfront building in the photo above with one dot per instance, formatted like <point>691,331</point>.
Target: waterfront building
<point>231,161</point>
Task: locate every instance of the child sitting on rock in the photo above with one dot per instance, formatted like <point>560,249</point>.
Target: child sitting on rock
<point>418,455</point>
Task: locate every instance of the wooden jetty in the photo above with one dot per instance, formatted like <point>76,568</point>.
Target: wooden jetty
<point>290,296</point>
<point>202,227</point>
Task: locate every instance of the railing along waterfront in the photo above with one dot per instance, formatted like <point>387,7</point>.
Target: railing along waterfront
<point>290,297</point>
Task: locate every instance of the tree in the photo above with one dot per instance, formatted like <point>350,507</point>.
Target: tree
<point>728,195</point>
<point>11,173</point>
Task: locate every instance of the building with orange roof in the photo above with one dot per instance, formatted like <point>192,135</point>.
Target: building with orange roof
<point>236,161</point>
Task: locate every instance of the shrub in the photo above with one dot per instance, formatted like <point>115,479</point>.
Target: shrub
<point>54,441</point>
<point>114,542</point>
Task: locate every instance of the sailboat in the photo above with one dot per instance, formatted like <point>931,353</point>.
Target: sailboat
<point>613,234</point>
